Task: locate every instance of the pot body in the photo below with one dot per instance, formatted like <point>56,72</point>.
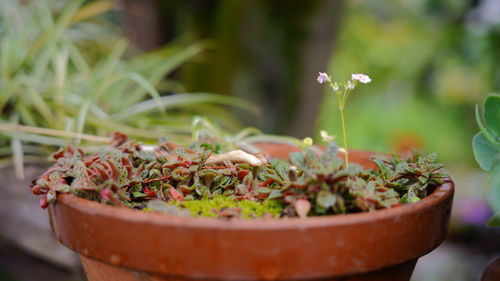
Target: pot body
<point>124,244</point>
<point>100,271</point>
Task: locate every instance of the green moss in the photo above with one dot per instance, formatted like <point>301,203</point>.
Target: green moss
<point>249,209</point>
<point>258,209</point>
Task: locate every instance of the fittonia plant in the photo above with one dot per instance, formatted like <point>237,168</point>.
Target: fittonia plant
<point>486,146</point>
<point>197,181</point>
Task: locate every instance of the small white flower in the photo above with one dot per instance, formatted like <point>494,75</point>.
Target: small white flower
<point>323,77</point>
<point>326,137</point>
<point>341,149</point>
<point>350,85</point>
<point>335,86</point>
<point>363,78</point>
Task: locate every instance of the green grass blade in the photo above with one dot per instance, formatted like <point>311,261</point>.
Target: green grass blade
<point>73,99</point>
<point>77,58</point>
<point>150,89</point>
<point>105,68</point>
<point>17,150</point>
<point>25,114</point>
<point>92,9</point>
<point>45,110</point>
<point>34,138</point>
<point>185,99</point>
<point>17,153</point>
<point>82,115</point>
<point>62,22</point>
<point>155,66</point>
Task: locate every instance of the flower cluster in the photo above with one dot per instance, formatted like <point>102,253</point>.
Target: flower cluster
<point>342,91</point>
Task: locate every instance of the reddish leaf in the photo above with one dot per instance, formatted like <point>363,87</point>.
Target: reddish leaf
<point>176,195</point>
<point>43,202</point>
<point>242,174</point>
<point>106,194</point>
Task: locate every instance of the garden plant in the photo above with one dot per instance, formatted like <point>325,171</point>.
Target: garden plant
<point>234,183</point>
<point>486,146</point>
<point>211,178</point>
<point>270,199</point>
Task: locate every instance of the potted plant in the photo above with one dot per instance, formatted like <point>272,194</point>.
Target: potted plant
<point>140,213</point>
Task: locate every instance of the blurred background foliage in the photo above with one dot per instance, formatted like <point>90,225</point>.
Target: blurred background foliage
<point>431,61</point>
<point>64,65</point>
<point>263,51</point>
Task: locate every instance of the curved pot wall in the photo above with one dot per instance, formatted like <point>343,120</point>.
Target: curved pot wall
<point>124,244</point>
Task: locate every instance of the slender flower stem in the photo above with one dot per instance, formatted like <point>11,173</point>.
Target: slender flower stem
<point>345,138</point>
<point>342,92</point>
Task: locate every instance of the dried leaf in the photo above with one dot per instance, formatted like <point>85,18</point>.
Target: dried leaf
<point>302,207</point>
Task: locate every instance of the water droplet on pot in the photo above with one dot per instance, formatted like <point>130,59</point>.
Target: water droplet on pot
<point>115,259</point>
<point>269,273</point>
<point>163,268</point>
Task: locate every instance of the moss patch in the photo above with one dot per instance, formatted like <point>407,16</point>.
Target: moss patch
<point>249,209</point>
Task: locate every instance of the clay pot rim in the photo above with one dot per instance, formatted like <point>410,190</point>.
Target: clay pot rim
<point>440,194</point>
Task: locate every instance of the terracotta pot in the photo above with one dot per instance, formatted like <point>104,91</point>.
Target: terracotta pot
<point>124,244</point>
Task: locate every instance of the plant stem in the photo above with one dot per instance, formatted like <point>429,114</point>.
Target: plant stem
<point>52,132</point>
<point>345,138</point>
